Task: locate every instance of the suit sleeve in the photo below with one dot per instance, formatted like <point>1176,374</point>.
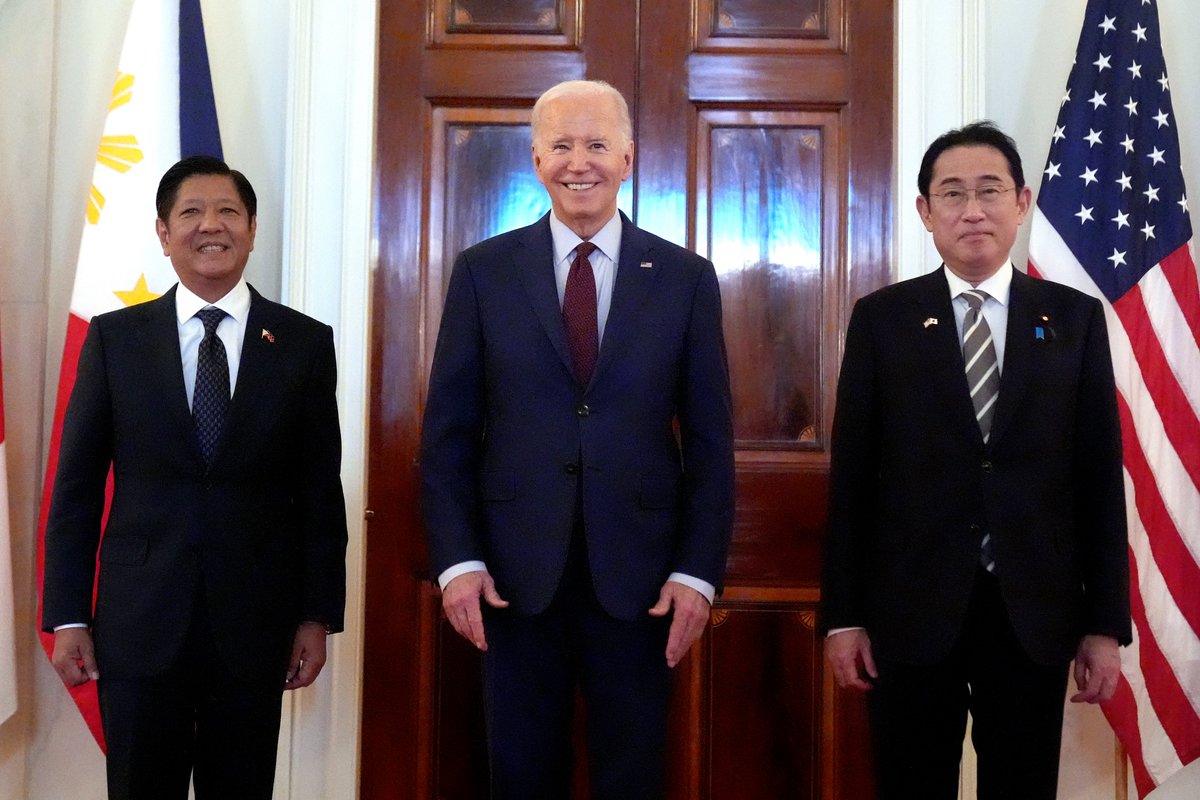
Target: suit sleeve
<point>323,507</point>
<point>853,478</point>
<point>452,431</point>
<point>77,503</point>
<point>706,428</point>
<point>1100,490</point>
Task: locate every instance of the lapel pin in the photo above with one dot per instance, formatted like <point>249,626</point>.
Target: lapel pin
<point>266,334</point>
<point>1043,332</point>
<point>928,322</point>
<point>647,265</point>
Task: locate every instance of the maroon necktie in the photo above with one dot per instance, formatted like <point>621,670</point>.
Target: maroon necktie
<point>579,314</point>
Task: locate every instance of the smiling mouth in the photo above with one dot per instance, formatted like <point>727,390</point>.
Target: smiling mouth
<point>213,248</point>
<point>579,187</point>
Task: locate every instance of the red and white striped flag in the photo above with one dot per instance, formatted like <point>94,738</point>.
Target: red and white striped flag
<point>161,108</point>
<point>8,644</point>
<point>1112,220</point>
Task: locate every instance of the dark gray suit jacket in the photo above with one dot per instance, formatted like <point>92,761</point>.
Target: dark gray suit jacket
<point>914,489</point>
<point>263,528</point>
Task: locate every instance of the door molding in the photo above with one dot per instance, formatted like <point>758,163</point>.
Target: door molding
<point>327,265</point>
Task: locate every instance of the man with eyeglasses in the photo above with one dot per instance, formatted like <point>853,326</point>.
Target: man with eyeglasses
<point>977,538</point>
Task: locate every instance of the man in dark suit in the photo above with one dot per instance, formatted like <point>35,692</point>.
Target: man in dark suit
<point>977,518</point>
<point>555,484</point>
<point>222,564</point>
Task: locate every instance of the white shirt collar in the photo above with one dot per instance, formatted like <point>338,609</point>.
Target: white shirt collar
<point>607,239</point>
<point>236,303</point>
<point>997,286</point>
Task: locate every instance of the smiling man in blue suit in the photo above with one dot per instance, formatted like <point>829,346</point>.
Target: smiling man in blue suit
<point>577,463</point>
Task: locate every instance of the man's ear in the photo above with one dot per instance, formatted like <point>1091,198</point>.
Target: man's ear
<point>160,228</point>
<point>925,212</point>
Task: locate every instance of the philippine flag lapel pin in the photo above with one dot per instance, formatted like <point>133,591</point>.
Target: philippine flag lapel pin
<point>266,334</point>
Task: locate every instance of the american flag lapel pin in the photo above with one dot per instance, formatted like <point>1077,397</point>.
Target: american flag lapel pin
<point>266,334</point>
<point>647,265</point>
<point>929,321</point>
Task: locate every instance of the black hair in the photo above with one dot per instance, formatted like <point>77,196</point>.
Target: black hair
<point>173,178</point>
<point>983,133</point>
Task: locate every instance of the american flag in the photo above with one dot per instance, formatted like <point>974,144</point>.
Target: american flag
<point>1112,220</point>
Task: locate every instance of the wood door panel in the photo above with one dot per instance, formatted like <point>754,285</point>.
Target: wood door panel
<point>815,81</point>
<point>778,528</point>
<point>764,702</point>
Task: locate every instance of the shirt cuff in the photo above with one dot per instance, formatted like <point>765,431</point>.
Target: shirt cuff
<point>58,628</point>
<point>843,630</point>
<point>461,568</point>
<point>703,587</point>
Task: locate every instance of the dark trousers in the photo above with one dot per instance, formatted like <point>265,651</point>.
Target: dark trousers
<point>196,721</point>
<point>531,670</point>
<point>918,714</point>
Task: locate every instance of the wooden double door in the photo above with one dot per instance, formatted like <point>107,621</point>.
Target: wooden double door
<point>764,142</point>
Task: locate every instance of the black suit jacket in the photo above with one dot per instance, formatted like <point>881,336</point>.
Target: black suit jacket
<point>914,488</point>
<point>260,534</point>
<point>509,439</point>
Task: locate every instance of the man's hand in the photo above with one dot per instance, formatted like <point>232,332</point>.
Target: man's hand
<point>74,657</point>
<point>849,653</point>
<point>308,655</point>
<point>688,623</point>
<point>1097,668</point>
<point>460,601</point>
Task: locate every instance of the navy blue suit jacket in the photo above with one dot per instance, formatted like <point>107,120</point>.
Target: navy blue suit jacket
<point>914,488</point>
<point>263,527</point>
<point>511,444</point>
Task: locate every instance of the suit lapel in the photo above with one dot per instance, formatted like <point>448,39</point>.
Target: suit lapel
<point>1018,344</point>
<point>533,261</point>
<point>945,350</point>
<point>159,336</point>
<point>257,371</point>
<point>630,290</point>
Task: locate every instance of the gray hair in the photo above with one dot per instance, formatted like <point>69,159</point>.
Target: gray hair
<point>578,89</point>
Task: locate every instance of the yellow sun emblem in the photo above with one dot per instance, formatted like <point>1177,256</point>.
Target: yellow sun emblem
<point>118,152</point>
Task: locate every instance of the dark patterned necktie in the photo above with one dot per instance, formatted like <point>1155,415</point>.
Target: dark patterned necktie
<point>983,377</point>
<point>210,398</point>
<point>579,314</point>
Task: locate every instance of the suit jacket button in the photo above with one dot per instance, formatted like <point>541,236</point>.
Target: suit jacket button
<point>986,466</point>
<point>571,469</point>
<point>973,528</point>
<point>583,410</point>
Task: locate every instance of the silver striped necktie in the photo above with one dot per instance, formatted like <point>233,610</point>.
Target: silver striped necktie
<point>979,353</point>
<point>983,378</point>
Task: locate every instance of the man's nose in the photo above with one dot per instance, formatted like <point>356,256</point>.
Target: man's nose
<point>578,160</point>
<point>973,208</point>
<point>210,219</point>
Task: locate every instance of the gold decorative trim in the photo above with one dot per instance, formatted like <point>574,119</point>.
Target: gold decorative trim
<point>718,616</point>
<point>808,619</point>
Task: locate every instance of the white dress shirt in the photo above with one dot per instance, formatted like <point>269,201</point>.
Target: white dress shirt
<point>604,261</point>
<point>995,308</point>
<point>231,330</point>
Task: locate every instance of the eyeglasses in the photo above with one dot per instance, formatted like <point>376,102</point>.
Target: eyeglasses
<point>987,196</point>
